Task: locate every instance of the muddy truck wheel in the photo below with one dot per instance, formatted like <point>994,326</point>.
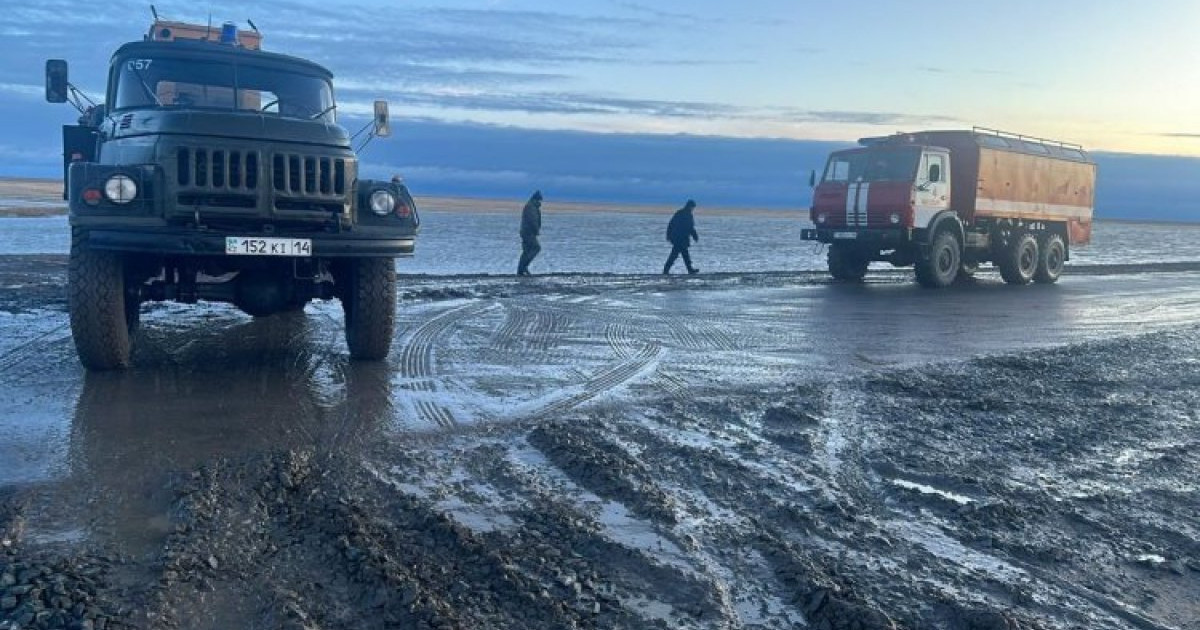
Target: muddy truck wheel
<point>102,315</point>
<point>846,264</point>
<point>942,266</point>
<point>1019,261</point>
<point>1050,262</point>
<point>369,302</point>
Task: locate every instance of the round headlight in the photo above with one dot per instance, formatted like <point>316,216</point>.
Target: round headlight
<point>120,189</point>
<point>895,218</point>
<point>382,202</point>
<point>821,218</point>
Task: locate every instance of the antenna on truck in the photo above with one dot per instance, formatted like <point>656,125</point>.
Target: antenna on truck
<point>154,12</point>
<point>251,23</point>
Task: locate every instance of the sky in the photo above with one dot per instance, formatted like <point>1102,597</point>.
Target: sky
<point>619,76</point>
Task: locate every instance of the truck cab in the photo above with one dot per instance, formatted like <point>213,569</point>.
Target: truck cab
<point>217,171</point>
<point>887,189</point>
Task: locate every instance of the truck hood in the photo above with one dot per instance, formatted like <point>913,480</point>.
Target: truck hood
<point>239,125</point>
<point>860,204</point>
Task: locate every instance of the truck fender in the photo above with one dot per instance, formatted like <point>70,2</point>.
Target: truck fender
<point>946,220</point>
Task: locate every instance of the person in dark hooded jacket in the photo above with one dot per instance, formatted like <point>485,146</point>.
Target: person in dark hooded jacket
<point>531,226</point>
<point>680,229</point>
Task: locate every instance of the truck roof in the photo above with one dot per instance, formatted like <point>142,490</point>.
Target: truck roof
<point>193,49</point>
<point>985,138</point>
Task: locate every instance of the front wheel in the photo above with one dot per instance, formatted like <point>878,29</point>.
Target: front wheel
<point>369,303</point>
<point>847,264</point>
<point>942,266</point>
<point>1050,262</point>
<point>103,316</point>
<point>1019,261</point>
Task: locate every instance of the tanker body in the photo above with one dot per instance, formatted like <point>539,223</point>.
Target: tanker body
<point>945,201</point>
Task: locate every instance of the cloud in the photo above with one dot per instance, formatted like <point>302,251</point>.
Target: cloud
<point>25,90</point>
<point>865,118</point>
<point>656,13</point>
<point>1195,136</point>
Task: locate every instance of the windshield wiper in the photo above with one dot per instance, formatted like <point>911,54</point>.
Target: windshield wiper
<point>146,86</point>
<point>324,111</point>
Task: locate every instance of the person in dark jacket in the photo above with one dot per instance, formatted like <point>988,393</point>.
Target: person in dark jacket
<point>531,226</point>
<point>681,228</point>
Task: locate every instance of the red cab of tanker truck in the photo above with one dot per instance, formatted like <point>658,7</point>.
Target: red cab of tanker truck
<point>945,201</point>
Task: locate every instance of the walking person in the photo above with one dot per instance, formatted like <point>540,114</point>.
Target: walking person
<point>681,228</point>
<point>531,226</point>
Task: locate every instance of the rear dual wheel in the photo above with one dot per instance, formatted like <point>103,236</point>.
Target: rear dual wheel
<point>1052,256</point>
<point>1019,262</point>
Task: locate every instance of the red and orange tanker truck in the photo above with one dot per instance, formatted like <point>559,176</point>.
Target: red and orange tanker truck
<point>945,201</point>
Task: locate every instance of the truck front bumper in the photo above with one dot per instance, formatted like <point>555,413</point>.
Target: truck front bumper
<point>876,238</point>
<point>176,242</point>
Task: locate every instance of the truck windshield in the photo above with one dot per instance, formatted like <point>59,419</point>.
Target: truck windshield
<point>193,84</point>
<point>873,165</point>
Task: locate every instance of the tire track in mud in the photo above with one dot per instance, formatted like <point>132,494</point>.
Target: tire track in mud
<point>416,360</point>
<point>17,361</point>
<point>619,334</point>
<point>925,488</point>
<point>603,382</point>
<point>703,341</point>
<point>509,335</point>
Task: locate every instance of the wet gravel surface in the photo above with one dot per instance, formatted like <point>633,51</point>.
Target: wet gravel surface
<point>575,452</point>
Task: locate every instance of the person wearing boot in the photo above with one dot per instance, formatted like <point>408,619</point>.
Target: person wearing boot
<point>680,229</point>
<point>531,226</point>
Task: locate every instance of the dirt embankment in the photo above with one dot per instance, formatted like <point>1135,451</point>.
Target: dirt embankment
<point>1049,489</point>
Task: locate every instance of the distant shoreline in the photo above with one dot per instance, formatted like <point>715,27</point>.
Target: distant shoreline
<point>45,197</point>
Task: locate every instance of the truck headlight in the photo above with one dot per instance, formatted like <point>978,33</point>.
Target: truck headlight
<point>120,189</point>
<point>382,202</point>
<point>895,218</point>
<point>821,218</point>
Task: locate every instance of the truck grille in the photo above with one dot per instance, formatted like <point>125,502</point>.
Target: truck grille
<point>217,170</point>
<point>307,175</point>
<point>295,183</point>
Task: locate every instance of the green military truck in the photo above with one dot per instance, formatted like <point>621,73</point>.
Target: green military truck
<point>217,171</point>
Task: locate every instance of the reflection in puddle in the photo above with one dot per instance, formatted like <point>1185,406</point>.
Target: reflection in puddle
<point>240,388</point>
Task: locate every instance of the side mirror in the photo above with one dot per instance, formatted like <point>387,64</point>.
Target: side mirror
<point>56,81</point>
<point>383,122</point>
<point>812,179</point>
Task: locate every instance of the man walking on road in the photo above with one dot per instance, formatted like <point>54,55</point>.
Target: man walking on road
<point>531,226</point>
<point>681,228</point>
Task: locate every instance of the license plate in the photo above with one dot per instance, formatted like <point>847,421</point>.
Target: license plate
<point>262,246</point>
<point>845,235</point>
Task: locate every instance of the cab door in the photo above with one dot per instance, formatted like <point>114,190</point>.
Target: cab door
<point>931,191</point>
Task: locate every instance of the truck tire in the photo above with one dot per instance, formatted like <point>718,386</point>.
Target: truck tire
<point>101,317</point>
<point>941,268</point>
<point>369,303</point>
<point>1053,253</point>
<point>846,264</point>
<point>1019,262</point>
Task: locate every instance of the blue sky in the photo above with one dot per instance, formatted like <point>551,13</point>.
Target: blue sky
<point>739,76</point>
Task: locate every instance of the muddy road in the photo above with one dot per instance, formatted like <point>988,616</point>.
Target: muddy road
<point>728,451</point>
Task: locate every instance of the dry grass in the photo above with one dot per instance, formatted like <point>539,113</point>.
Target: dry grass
<point>45,196</point>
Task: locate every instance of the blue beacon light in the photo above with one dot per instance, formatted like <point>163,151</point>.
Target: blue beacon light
<point>229,33</point>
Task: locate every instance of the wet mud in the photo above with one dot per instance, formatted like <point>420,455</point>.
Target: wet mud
<point>633,455</point>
